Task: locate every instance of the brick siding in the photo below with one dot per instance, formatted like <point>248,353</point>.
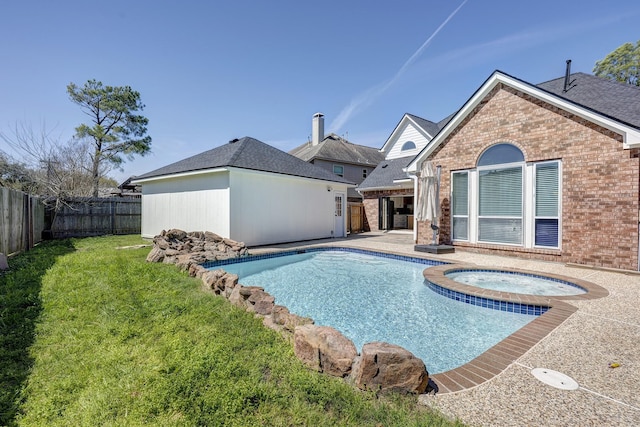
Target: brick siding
<point>600,180</point>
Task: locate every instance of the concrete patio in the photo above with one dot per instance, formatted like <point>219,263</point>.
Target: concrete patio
<point>599,332</point>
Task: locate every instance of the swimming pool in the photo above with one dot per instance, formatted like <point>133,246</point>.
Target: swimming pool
<point>378,297</point>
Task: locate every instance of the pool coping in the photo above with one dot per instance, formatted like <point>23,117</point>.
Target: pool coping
<point>499,357</point>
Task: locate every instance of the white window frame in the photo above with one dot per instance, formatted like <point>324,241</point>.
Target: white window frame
<point>522,218</point>
<point>532,212</point>
<point>468,215</point>
<point>528,200</point>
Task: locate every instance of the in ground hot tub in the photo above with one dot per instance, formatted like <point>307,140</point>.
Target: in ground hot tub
<point>515,282</point>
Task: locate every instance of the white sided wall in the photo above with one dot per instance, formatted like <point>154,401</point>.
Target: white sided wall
<point>407,132</point>
<point>198,202</point>
<point>272,208</point>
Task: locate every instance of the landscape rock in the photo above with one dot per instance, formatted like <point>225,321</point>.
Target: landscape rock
<point>156,255</point>
<point>4,265</point>
<point>388,367</point>
<point>261,303</point>
<point>169,260</point>
<point>324,349</point>
<point>197,270</point>
<point>173,246</point>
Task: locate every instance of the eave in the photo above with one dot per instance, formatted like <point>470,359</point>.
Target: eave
<point>630,135</point>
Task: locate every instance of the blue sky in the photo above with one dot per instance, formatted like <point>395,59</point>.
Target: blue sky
<point>212,71</point>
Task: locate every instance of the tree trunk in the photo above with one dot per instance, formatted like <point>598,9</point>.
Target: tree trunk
<point>95,172</point>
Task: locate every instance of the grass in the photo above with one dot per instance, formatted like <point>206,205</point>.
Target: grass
<point>93,335</point>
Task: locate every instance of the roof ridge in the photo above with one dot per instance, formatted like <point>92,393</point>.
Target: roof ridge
<point>236,154</point>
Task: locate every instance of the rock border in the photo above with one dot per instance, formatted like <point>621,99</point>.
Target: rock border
<point>380,367</point>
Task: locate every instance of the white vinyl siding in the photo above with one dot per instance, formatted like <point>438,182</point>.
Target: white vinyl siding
<point>271,208</point>
<point>189,203</point>
<point>409,133</point>
<point>253,207</point>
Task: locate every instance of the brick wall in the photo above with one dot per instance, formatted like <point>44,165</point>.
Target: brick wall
<point>600,180</point>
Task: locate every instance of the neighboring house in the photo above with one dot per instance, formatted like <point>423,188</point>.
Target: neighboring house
<point>127,189</point>
<point>343,158</point>
<point>388,191</point>
<point>339,156</point>
<point>548,172</point>
<point>247,191</point>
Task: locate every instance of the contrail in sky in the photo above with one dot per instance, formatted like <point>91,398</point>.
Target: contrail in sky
<point>365,99</point>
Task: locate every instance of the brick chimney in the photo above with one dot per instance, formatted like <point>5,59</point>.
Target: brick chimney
<point>317,128</point>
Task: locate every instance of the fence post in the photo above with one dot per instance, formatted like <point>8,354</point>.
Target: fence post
<point>113,216</point>
<point>25,221</point>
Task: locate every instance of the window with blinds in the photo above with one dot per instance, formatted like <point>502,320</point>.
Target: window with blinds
<point>500,205</point>
<point>505,200</point>
<point>460,205</point>
<point>546,204</point>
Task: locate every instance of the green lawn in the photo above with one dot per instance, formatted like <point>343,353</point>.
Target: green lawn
<point>94,335</point>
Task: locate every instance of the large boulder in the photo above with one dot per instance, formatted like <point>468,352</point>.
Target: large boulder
<point>324,349</point>
<point>388,367</point>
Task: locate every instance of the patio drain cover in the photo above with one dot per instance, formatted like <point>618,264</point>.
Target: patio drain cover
<point>555,379</point>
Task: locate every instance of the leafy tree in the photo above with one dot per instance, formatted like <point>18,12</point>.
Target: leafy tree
<point>116,130</point>
<point>15,175</point>
<point>622,65</point>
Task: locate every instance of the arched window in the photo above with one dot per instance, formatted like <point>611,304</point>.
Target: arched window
<point>409,145</point>
<point>500,192</point>
<point>504,200</point>
<point>500,154</point>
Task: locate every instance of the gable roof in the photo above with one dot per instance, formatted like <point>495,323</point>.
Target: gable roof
<point>335,148</point>
<point>424,126</point>
<point>387,174</point>
<point>431,127</point>
<point>245,153</point>
<point>598,101</point>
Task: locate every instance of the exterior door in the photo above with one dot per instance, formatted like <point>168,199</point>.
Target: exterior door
<point>339,215</point>
<point>385,217</point>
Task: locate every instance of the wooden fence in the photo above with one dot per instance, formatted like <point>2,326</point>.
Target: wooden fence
<point>22,222</point>
<point>355,218</point>
<point>84,217</point>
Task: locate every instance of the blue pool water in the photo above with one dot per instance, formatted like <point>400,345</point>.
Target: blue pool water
<point>371,298</point>
<point>513,282</point>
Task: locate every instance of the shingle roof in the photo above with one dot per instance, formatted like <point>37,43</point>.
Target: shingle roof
<point>247,153</point>
<point>429,126</point>
<point>386,173</point>
<point>335,148</point>
<point>616,100</point>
